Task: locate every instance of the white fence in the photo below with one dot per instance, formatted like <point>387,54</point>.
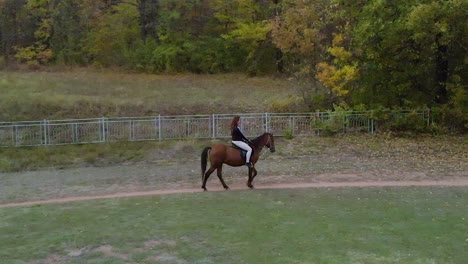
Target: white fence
<point>96,130</point>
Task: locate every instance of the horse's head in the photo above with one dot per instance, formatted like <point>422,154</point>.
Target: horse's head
<point>265,140</point>
<point>270,142</point>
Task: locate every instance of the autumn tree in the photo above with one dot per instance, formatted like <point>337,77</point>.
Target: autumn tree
<point>410,51</point>
<point>39,51</point>
<point>315,46</point>
<point>13,20</point>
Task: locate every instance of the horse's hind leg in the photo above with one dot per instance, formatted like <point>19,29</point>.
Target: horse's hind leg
<point>206,176</point>
<point>220,176</point>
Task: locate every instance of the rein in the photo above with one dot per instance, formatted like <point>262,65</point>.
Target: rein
<point>268,141</point>
<point>258,141</point>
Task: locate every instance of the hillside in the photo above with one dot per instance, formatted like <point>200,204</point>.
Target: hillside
<point>82,93</point>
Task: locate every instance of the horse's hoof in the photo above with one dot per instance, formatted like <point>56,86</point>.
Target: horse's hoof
<point>204,189</point>
<point>251,186</point>
<point>226,188</point>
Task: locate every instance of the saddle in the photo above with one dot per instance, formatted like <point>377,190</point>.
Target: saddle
<point>243,153</point>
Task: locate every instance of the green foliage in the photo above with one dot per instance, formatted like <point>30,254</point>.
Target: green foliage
<point>401,122</point>
<point>288,134</point>
<point>141,56</point>
<point>394,54</point>
<point>68,39</point>
<point>168,58</point>
<point>449,118</point>
<point>333,122</point>
<point>412,122</point>
<point>114,39</point>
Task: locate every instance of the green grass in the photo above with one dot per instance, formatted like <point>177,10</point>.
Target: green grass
<point>346,225</point>
<point>102,154</point>
<point>67,156</point>
<point>83,93</point>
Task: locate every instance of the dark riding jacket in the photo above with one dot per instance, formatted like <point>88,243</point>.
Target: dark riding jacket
<point>237,135</point>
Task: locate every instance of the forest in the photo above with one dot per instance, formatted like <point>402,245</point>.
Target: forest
<point>361,55</point>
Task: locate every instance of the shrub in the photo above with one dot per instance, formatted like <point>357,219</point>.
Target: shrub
<point>287,104</point>
<point>452,119</point>
<point>288,134</point>
<point>411,122</point>
<point>333,122</point>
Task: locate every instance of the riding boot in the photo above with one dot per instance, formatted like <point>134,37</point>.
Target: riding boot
<point>249,164</point>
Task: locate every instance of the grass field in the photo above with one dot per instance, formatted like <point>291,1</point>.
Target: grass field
<point>344,225</point>
<point>86,93</point>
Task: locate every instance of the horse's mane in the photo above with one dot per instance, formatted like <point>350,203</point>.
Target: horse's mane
<point>256,141</point>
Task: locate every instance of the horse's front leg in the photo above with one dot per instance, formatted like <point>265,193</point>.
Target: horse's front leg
<point>220,176</point>
<point>249,181</point>
<point>252,174</point>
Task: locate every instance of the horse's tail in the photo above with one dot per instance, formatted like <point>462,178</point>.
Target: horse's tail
<point>204,160</point>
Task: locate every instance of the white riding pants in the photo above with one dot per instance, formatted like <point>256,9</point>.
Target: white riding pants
<point>245,147</point>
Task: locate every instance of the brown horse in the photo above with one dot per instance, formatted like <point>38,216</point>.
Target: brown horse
<point>220,154</point>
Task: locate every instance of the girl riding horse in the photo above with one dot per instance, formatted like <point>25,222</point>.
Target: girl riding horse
<point>240,140</point>
<point>220,154</point>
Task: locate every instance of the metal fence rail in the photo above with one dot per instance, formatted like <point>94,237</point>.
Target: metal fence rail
<point>96,130</point>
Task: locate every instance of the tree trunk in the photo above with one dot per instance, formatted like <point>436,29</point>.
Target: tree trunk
<point>149,18</point>
<point>441,72</point>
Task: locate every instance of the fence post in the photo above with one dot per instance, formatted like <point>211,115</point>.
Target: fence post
<point>213,126</point>
<point>74,133</point>
<point>317,121</point>
<point>16,135</point>
<point>132,130</point>
<point>44,131</point>
<point>103,129</point>
<point>159,128</point>
<point>293,122</point>
<point>13,136</point>
<point>267,124</point>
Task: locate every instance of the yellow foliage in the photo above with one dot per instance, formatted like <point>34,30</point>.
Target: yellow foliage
<point>336,79</point>
<point>340,53</point>
<point>337,39</point>
<point>34,55</point>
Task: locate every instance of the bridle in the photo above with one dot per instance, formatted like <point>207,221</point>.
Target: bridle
<point>268,141</point>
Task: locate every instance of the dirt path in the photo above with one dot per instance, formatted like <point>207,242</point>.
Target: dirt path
<point>460,182</point>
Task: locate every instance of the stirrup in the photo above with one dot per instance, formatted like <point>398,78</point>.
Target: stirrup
<point>249,164</point>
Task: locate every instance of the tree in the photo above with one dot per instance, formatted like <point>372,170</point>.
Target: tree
<point>13,20</point>
<point>38,52</point>
<point>246,25</point>
<point>439,31</point>
<point>311,37</point>
<point>113,36</point>
<point>149,15</point>
<point>70,31</point>
<point>409,51</point>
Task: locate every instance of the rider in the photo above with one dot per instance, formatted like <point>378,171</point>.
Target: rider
<point>240,140</point>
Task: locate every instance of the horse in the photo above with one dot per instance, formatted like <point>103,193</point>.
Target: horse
<point>220,154</point>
